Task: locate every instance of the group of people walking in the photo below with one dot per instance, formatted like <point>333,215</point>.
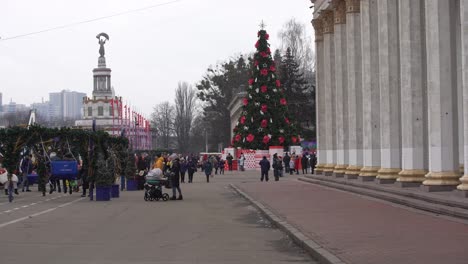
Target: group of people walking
<point>292,164</point>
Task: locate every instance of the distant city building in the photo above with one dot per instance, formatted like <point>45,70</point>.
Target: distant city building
<point>42,110</point>
<point>66,105</point>
<point>13,107</point>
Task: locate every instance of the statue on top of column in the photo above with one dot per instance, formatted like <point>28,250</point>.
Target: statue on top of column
<point>101,42</point>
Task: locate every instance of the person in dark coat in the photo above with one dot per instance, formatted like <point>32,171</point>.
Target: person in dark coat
<point>175,177</point>
<point>304,163</point>
<point>313,162</point>
<point>141,165</point>
<point>265,167</point>
<point>229,159</point>
<point>208,168</point>
<point>191,168</point>
<point>26,169</point>
<point>286,161</point>
<point>183,169</point>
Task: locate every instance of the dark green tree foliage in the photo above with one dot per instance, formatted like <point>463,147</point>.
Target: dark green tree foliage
<point>296,88</point>
<point>265,120</point>
<point>216,90</point>
<point>104,173</point>
<point>130,167</point>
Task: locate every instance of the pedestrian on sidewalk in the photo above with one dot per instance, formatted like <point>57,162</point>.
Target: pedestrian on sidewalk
<point>280,166</point>
<point>286,161</point>
<point>183,169</point>
<point>304,162</point>
<point>291,165</point>
<point>313,162</point>
<point>229,159</point>
<point>208,168</point>
<point>26,169</point>
<point>241,162</point>
<point>297,163</point>
<point>175,176</point>
<point>221,166</point>
<point>191,168</point>
<point>265,167</point>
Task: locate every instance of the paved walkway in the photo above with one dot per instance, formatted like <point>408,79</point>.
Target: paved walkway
<point>363,230</point>
<point>212,225</point>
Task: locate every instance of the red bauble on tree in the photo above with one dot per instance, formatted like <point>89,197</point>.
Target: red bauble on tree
<point>237,137</point>
<point>245,101</point>
<point>264,89</point>
<point>242,120</point>
<point>264,72</point>
<point>264,108</point>
<point>251,81</point>
<point>266,139</point>
<point>286,120</point>
<point>264,123</point>
<point>294,139</point>
<point>250,138</point>
<point>283,101</point>
<point>281,140</point>
<point>278,83</point>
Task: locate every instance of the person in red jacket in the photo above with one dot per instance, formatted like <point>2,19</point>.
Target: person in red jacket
<point>297,164</point>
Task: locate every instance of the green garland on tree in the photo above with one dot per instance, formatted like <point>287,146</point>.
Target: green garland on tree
<point>264,119</point>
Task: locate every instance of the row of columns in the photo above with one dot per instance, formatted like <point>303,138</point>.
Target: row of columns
<point>390,91</point>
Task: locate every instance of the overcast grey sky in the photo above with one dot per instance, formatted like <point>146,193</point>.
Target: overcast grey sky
<point>149,51</point>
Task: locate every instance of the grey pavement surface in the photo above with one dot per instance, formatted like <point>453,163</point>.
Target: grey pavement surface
<point>212,225</point>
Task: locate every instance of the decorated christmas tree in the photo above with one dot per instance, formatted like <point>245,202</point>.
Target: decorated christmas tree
<point>264,119</point>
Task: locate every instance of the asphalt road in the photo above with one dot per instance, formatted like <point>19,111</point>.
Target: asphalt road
<point>211,225</point>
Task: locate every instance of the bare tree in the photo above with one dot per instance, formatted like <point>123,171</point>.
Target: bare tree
<point>293,35</point>
<point>185,107</point>
<point>162,120</point>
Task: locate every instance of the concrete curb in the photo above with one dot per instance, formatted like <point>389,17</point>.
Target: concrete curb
<point>427,206</point>
<point>313,248</point>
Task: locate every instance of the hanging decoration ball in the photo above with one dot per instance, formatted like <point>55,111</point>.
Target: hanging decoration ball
<point>251,81</point>
<point>294,139</point>
<point>264,54</point>
<point>272,68</point>
<point>246,128</point>
<point>266,139</point>
<point>275,90</point>
<point>245,101</point>
<point>264,72</point>
<point>283,101</point>
<point>281,139</point>
<point>242,120</point>
<point>264,88</point>
<point>286,120</point>
<point>268,50</point>
<point>257,44</point>
<point>250,138</point>
<point>257,90</point>
<point>267,36</point>
<point>271,121</point>
<point>278,83</point>
<point>237,138</point>
<point>250,96</point>
<point>262,113</point>
<point>256,63</point>
<point>281,131</point>
<point>264,108</point>
<point>264,123</point>
<point>251,120</point>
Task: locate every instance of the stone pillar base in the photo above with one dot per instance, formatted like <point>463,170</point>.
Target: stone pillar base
<point>408,184</point>
<point>366,178</point>
<point>412,176</point>
<point>319,168</point>
<point>352,172</point>
<point>327,173</point>
<point>368,173</point>
<point>339,174</point>
<point>462,194</point>
<point>464,183</point>
<point>388,174</point>
<point>328,170</point>
<point>437,188</point>
<point>386,181</point>
<point>462,169</point>
<point>443,178</point>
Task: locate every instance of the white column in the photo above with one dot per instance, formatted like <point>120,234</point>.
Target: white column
<point>320,97</point>
<point>389,69</point>
<point>413,93</point>
<point>370,89</point>
<point>457,25</point>
<point>341,92</point>
<point>353,53</point>
<point>464,61</point>
<point>329,83</point>
<point>442,89</point>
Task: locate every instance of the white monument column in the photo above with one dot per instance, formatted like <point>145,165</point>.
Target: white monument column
<point>389,69</point>
<point>464,61</point>
<point>370,89</point>
<point>413,93</point>
<point>329,84</point>
<point>442,102</point>
<point>320,97</point>
<point>353,53</point>
<point>457,25</point>
<point>341,92</point>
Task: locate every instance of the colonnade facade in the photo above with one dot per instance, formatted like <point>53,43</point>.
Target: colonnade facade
<point>392,91</point>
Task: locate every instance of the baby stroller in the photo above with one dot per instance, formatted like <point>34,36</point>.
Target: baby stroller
<point>153,186</point>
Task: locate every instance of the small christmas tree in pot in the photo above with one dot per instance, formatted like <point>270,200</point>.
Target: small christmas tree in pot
<point>104,174</point>
<point>130,172</point>
<point>264,119</point>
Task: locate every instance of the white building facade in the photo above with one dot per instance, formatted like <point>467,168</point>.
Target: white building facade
<point>392,91</point>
